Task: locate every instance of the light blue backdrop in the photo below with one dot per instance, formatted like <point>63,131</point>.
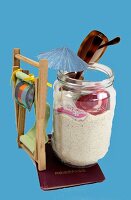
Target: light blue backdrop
<point>36,26</point>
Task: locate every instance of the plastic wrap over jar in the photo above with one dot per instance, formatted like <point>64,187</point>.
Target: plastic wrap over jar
<point>24,94</point>
<point>82,120</point>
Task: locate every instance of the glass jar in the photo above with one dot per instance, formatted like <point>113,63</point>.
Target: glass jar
<point>82,117</point>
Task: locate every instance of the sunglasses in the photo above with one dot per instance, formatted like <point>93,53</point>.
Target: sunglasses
<point>93,47</point>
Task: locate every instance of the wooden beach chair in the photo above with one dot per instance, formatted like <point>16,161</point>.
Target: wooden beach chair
<point>40,99</point>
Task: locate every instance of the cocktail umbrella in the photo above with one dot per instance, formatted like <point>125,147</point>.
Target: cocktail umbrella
<point>64,59</point>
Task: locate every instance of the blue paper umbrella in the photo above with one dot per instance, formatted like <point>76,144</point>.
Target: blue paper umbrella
<point>64,59</point>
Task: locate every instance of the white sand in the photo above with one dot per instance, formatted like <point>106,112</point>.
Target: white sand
<point>83,142</point>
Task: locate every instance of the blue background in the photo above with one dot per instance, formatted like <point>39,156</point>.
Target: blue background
<point>36,26</point>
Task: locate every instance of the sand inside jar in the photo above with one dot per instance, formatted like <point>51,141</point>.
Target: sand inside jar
<point>82,142</point>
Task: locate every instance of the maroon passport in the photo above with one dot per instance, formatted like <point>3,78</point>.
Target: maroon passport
<point>58,175</point>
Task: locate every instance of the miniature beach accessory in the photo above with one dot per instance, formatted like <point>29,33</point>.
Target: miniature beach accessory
<point>89,46</point>
<point>29,78</point>
<point>24,94</point>
<point>93,47</point>
<point>63,59</point>
<point>34,141</point>
<point>24,88</point>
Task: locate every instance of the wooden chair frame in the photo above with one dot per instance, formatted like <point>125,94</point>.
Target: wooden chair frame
<point>39,155</point>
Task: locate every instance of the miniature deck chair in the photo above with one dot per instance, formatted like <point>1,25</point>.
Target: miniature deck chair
<point>38,154</point>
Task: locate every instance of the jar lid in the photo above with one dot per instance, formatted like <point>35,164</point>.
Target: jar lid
<point>89,49</point>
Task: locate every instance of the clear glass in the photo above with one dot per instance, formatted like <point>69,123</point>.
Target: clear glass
<point>82,117</point>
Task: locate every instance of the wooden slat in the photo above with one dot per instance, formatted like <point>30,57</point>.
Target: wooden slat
<point>21,121</point>
<point>27,60</point>
<point>42,88</point>
<point>16,62</point>
<point>15,104</point>
<point>22,115</point>
<point>16,65</point>
<point>36,112</point>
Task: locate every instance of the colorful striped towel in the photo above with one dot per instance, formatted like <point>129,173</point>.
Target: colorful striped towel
<point>24,94</point>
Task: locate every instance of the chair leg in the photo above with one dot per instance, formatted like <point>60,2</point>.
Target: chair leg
<point>16,65</point>
<point>36,111</point>
<point>21,118</point>
<point>40,122</point>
